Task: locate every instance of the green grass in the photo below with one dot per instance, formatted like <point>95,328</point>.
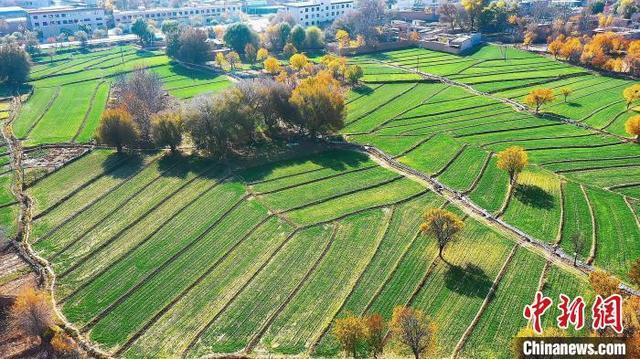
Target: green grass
<point>503,317</point>
<point>492,187</point>
<point>577,219</point>
<point>617,235</point>
<point>535,205</point>
<point>464,170</point>
<point>431,156</point>
<point>355,243</point>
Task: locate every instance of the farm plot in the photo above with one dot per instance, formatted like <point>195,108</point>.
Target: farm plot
<point>577,219</point>
<point>434,155</point>
<point>69,96</point>
<point>417,95</point>
<point>398,238</point>
<point>492,188</point>
<point>461,174</point>
<point>454,291</point>
<point>617,232</point>
<point>503,317</point>
<point>559,281</point>
<point>535,205</point>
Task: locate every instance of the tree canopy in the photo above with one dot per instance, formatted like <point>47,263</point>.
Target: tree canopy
<point>238,36</point>
<point>15,64</point>
<point>117,129</point>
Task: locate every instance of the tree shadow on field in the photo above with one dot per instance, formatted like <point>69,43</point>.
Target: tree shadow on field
<point>337,160</point>
<point>468,280</point>
<point>363,90</point>
<point>178,164</point>
<point>573,104</point>
<point>534,196</point>
<point>193,74</point>
<point>122,165</point>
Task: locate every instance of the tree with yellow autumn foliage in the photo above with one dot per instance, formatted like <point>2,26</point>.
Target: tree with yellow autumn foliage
<point>319,100</point>
<point>632,126</point>
<point>603,283</point>
<point>539,97</point>
<point>117,129</point>
<point>513,160</point>
<point>566,92</point>
<point>272,65</point>
<point>443,225</point>
<point>350,332</point>
<point>631,94</point>
<point>298,61</point>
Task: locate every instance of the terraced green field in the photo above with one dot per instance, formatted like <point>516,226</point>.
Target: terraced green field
<point>70,93</point>
<point>268,267</point>
<point>160,255</point>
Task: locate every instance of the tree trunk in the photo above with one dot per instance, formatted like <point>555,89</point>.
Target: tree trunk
<point>416,355</point>
<point>119,148</point>
<point>575,260</point>
<point>354,352</point>
<point>440,249</point>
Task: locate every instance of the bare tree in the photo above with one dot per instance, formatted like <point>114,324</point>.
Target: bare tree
<point>578,242</point>
<point>448,14</point>
<point>411,328</point>
<point>141,94</point>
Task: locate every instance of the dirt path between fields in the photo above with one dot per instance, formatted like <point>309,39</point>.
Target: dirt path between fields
<point>552,254</point>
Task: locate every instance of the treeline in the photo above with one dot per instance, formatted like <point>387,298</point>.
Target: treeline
<point>607,51</point>
<point>309,103</point>
<point>410,332</point>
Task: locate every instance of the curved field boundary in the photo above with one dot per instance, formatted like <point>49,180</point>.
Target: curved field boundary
<point>314,180</point>
<point>322,200</point>
<point>263,329</point>
<point>362,95</point>
<point>447,111</point>
<point>124,255</point>
<point>423,102</point>
<point>484,114</point>
<point>98,199</point>
<point>563,204</point>
<point>573,146</point>
<point>577,81</point>
<point>485,304</point>
<point>414,146</point>
<point>624,185</point>
<point>536,83</point>
<point>615,118</point>
<point>44,112</point>
<point>453,159</point>
<point>375,108</point>
<point>76,190</point>
<point>588,160</point>
<point>460,72</point>
<point>543,276</point>
<point>126,228</point>
<point>446,124</point>
<point>535,139</point>
<point>51,232</point>
<point>86,114</point>
<point>594,225</point>
<point>596,168</point>
<point>209,270</point>
<point>158,269</point>
<point>281,177</point>
<point>453,129</point>
<point>196,85</point>
<point>516,105</point>
<point>595,92</point>
<point>626,199</point>
<point>326,327</point>
<point>461,76</point>
<point>475,182</point>
<point>507,130</point>
<point>600,109</point>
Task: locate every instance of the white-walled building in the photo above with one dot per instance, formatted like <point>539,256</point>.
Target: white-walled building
<point>127,17</point>
<point>52,21</point>
<point>317,12</point>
